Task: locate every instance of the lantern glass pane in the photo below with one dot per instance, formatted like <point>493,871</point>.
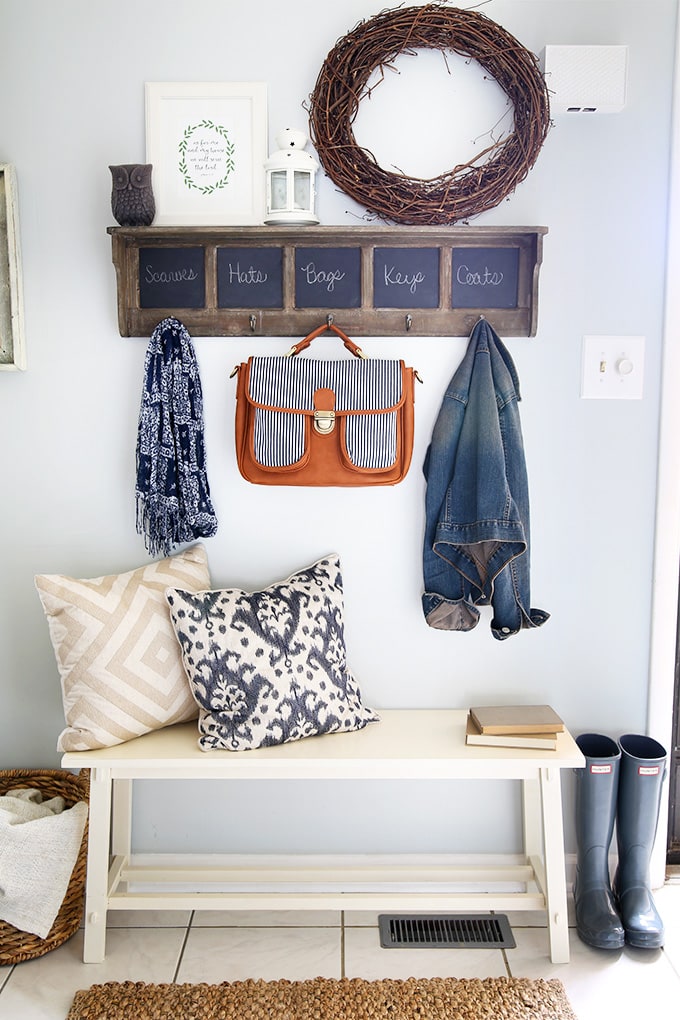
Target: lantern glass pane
<point>278,189</point>
<point>301,189</point>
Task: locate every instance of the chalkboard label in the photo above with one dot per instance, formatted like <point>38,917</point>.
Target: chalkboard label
<point>484,277</point>
<point>250,278</point>
<point>171,278</point>
<point>406,278</point>
<point>327,277</point>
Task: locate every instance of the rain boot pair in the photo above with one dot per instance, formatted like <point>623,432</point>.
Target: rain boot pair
<point>620,781</point>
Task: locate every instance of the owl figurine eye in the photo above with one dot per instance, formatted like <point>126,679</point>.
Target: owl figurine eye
<point>141,176</point>
<point>132,200</point>
<point>120,177</point>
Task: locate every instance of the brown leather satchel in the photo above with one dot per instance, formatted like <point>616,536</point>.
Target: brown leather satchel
<point>304,421</point>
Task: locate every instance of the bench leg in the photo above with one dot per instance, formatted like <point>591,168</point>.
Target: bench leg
<point>532,818</point>
<point>121,818</point>
<point>96,890</point>
<point>555,877</point>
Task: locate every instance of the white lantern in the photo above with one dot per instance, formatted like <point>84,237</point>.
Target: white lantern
<point>290,180</point>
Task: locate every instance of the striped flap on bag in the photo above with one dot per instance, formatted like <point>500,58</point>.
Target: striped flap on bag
<point>367,394</point>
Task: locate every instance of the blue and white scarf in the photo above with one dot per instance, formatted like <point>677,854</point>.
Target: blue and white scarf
<point>172,492</point>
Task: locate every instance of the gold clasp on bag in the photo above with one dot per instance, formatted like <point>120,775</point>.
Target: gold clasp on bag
<point>324,422</point>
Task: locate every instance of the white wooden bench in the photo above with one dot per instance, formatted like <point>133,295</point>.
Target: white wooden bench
<point>418,744</point>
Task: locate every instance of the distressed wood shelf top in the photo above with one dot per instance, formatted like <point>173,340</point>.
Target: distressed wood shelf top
<point>285,281</point>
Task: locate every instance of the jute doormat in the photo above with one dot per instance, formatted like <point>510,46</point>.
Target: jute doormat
<point>328,999</point>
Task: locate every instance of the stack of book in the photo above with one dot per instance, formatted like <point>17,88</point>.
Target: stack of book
<point>533,726</point>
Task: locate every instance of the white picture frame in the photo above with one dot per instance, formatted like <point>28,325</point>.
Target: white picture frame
<point>207,143</point>
<point>12,346</point>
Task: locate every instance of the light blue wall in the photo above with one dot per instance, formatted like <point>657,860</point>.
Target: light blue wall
<point>72,81</point>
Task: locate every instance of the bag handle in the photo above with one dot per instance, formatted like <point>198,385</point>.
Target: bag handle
<point>304,344</point>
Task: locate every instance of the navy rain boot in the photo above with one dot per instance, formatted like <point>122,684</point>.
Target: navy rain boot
<point>643,769</point>
<point>597,920</point>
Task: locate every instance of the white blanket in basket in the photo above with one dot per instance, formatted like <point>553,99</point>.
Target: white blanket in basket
<point>39,844</point>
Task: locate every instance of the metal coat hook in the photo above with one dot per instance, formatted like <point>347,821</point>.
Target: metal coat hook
<point>253,323</point>
<point>329,321</point>
<point>480,318</point>
<point>409,323</point>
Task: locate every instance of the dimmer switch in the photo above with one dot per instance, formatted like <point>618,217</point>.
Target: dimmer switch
<point>612,367</point>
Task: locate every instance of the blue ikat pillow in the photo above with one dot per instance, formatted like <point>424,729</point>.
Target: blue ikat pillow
<point>269,667</point>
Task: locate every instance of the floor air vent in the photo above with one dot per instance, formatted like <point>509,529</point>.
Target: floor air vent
<point>445,931</point>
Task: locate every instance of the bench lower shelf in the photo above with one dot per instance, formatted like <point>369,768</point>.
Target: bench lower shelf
<point>297,883</point>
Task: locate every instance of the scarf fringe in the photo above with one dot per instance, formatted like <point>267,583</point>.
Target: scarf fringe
<point>163,526</point>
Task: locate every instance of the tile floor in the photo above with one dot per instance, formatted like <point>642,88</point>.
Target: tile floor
<point>213,947</point>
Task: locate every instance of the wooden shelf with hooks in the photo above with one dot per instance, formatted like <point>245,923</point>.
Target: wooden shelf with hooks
<point>369,280</point>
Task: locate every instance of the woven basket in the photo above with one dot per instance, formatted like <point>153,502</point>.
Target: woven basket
<point>16,945</point>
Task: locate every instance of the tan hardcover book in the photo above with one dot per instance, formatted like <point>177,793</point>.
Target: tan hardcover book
<point>537,741</point>
<point>517,719</point>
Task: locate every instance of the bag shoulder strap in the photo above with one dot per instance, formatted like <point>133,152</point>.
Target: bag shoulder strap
<point>304,344</point>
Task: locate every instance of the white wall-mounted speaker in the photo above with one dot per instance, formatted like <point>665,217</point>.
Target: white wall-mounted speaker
<point>586,79</point>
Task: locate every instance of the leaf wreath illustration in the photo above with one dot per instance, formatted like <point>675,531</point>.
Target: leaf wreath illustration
<point>226,158</point>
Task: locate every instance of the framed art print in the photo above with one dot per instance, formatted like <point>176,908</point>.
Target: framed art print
<point>207,142</point>
<point>12,349</point>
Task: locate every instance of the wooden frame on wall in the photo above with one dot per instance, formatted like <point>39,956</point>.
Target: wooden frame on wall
<point>12,347</point>
<point>284,281</point>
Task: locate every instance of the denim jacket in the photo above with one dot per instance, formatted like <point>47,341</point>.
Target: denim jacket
<point>476,549</point>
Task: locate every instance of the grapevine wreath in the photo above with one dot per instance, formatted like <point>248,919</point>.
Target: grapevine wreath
<point>469,188</point>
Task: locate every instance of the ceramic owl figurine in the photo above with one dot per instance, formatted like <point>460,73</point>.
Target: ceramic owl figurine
<point>132,201</point>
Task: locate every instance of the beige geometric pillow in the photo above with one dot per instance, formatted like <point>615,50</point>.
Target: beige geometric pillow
<point>119,661</point>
